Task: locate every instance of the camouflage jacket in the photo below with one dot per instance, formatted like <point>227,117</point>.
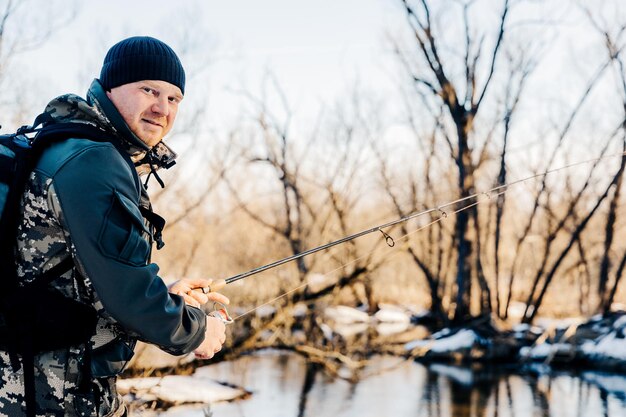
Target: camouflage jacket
<point>83,200</point>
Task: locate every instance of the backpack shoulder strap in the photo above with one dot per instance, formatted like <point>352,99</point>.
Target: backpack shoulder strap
<point>14,172</point>
<point>56,132</point>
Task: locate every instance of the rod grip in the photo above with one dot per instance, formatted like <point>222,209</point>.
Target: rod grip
<point>215,286</point>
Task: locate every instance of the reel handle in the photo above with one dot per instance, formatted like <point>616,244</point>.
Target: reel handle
<point>219,311</point>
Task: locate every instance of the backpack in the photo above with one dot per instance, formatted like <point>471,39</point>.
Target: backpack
<point>35,318</point>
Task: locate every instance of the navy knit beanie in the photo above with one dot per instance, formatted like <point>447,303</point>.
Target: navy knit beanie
<point>141,58</point>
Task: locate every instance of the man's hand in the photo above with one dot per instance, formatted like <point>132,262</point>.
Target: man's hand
<point>185,288</point>
<point>214,338</point>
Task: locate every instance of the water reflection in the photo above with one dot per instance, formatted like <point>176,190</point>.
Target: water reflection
<point>284,385</point>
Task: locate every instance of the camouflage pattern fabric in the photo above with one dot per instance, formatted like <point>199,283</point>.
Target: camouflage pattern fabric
<point>72,108</point>
<point>43,242</point>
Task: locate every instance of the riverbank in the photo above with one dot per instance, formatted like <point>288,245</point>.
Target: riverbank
<point>284,384</point>
<point>348,339</point>
<point>598,343</point>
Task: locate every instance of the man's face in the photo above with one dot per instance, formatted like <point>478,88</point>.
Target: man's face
<point>148,107</point>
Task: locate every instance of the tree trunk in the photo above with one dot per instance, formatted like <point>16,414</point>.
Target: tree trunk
<point>462,230</point>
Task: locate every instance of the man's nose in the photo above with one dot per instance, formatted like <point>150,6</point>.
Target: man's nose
<point>161,106</point>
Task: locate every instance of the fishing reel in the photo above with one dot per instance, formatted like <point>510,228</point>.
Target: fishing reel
<point>219,311</point>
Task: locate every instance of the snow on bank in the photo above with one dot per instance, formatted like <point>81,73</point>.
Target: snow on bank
<point>609,346</point>
<point>391,328</point>
<point>193,410</point>
<point>620,323</point>
<point>463,339</point>
<point>392,314</point>
<point>178,389</point>
<point>600,340</point>
<point>545,350</point>
<point>349,321</point>
<point>346,315</point>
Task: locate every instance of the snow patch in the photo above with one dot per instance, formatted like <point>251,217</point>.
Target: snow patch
<point>389,328</point>
<point>441,333</point>
<point>178,389</point>
<point>620,322</point>
<point>346,315</point>
<point>347,330</point>
<point>545,350</point>
<point>187,410</point>
<point>392,315</point>
<point>265,311</point>
<point>300,310</point>
<point>463,339</point>
<point>609,346</point>
<point>318,282</point>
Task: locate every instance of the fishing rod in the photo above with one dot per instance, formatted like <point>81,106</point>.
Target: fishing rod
<point>220,309</point>
<point>222,282</point>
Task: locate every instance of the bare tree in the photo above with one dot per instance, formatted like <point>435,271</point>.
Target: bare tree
<point>16,28</point>
<point>276,153</point>
<point>615,45</point>
<point>22,30</point>
<point>520,69</point>
<point>611,192</point>
<point>461,98</point>
<point>458,86</point>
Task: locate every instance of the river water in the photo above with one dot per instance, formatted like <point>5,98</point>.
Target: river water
<point>284,385</point>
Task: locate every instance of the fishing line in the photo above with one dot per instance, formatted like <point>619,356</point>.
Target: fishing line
<point>501,189</point>
<point>391,246</point>
<point>396,251</point>
<point>391,243</point>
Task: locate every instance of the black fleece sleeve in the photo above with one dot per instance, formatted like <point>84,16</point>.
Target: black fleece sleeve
<point>99,204</point>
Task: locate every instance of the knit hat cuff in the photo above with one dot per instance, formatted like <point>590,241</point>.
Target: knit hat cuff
<point>130,61</point>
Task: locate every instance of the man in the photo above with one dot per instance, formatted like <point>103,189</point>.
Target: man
<point>84,202</point>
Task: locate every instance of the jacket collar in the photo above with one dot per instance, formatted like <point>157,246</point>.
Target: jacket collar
<point>99,111</point>
<point>96,97</point>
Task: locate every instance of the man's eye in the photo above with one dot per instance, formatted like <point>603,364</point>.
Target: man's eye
<point>174,100</point>
<point>149,90</point>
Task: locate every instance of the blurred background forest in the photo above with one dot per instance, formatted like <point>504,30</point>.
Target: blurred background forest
<point>515,110</point>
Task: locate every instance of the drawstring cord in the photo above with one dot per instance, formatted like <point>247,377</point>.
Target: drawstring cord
<point>156,177</point>
<point>151,160</point>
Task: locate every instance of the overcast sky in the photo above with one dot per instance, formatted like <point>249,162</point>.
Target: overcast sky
<point>317,50</point>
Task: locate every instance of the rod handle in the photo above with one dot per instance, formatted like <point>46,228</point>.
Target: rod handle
<point>217,285</point>
<point>214,287</point>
